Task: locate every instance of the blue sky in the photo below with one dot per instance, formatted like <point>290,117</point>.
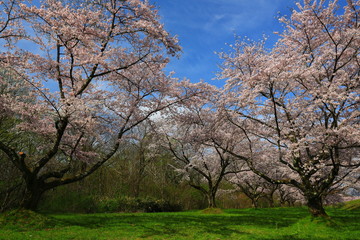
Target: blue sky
<point>205,26</point>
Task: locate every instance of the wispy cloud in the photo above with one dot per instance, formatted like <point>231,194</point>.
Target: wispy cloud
<point>204,26</point>
<point>237,15</point>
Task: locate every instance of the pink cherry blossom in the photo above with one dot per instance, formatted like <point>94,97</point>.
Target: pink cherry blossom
<point>298,103</point>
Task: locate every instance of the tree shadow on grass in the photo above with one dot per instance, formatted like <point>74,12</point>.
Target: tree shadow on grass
<point>345,218</point>
<point>180,224</point>
<point>192,225</point>
<point>183,226</point>
<point>160,225</point>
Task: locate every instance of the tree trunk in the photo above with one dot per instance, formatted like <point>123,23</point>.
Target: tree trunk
<point>34,190</point>
<point>271,201</point>
<point>31,199</point>
<point>211,200</point>
<point>254,202</point>
<point>315,206</point>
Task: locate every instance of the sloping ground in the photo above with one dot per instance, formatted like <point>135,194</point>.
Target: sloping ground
<point>352,205</point>
<point>270,223</point>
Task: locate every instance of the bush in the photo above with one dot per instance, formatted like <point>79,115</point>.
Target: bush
<point>128,204</point>
<point>108,205</point>
<point>150,205</point>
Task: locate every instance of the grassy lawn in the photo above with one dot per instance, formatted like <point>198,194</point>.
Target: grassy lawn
<point>275,223</point>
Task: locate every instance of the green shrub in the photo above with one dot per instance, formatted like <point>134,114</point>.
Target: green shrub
<point>129,204</point>
<point>108,205</point>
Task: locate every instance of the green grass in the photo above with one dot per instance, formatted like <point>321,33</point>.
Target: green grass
<point>275,223</point>
<point>352,205</point>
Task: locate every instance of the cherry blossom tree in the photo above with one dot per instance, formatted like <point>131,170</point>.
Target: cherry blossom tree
<point>251,185</point>
<point>201,166</point>
<point>257,188</point>
<point>298,103</point>
<point>189,133</point>
<point>289,196</point>
<point>10,21</point>
<point>92,71</point>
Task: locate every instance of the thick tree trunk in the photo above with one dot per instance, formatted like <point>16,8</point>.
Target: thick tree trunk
<point>315,206</point>
<point>33,192</point>
<point>211,200</point>
<point>31,199</point>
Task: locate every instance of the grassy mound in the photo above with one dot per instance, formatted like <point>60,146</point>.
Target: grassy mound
<point>351,205</point>
<point>212,211</point>
<point>25,219</point>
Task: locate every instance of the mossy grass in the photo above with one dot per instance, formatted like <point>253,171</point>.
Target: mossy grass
<point>22,219</point>
<point>212,211</point>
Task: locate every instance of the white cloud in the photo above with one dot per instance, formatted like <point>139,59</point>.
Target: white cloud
<point>239,15</point>
<point>215,16</point>
<point>204,26</point>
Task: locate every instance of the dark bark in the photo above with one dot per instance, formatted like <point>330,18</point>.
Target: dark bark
<point>211,200</point>
<point>254,203</point>
<point>315,205</point>
<point>32,199</point>
<point>34,189</point>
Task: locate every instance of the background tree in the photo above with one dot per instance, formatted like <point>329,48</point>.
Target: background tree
<point>298,103</point>
<point>93,74</point>
<point>289,196</point>
<point>11,182</point>
<point>251,185</point>
<point>136,158</point>
<point>256,188</point>
<point>189,134</point>
<point>202,167</point>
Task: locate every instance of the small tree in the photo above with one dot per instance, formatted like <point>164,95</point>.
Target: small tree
<point>93,72</point>
<point>298,104</point>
